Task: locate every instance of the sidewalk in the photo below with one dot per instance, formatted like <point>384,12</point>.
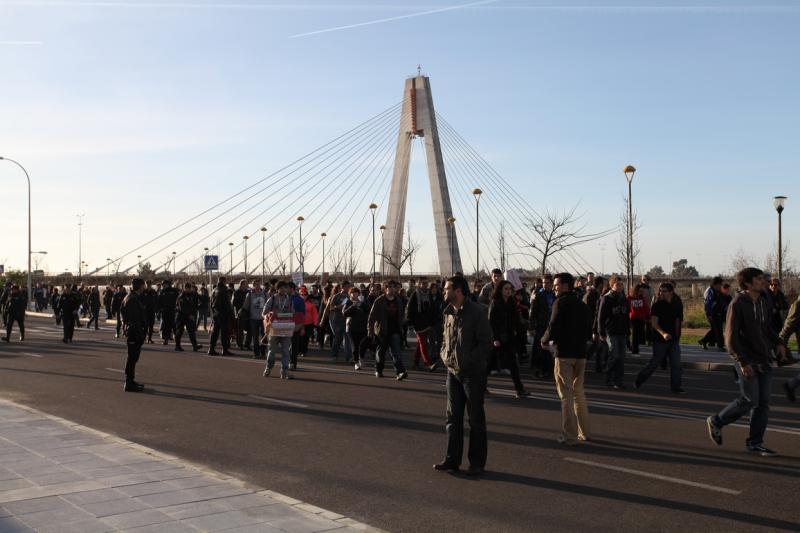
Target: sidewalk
<point>56,476</point>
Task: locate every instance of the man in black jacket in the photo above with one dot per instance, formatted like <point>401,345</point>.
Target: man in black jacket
<point>569,332</point>
<point>150,301</point>
<point>167,300</point>
<point>613,326</point>
<point>750,339</point>
<point>67,305</point>
<point>222,316</point>
<point>15,311</point>
<point>186,317</point>
<point>133,314</point>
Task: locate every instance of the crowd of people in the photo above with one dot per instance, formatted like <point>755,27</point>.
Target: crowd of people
<point>473,333</point>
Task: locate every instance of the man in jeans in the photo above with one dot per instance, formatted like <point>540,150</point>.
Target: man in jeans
<point>254,306</point>
<point>385,323</point>
<point>613,326</point>
<point>750,339</point>
<point>465,352</point>
<point>665,321</point>
<point>569,331</point>
<point>279,312</point>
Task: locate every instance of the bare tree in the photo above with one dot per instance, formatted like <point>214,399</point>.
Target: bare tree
<point>408,251</point>
<point>623,240</point>
<point>279,258</point>
<point>337,256</point>
<point>412,247</point>
<point>501,242</point>
<point>351,261</point>
<point>555,232</point>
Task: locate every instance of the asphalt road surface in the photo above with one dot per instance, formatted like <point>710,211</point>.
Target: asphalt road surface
<point>364,447</point>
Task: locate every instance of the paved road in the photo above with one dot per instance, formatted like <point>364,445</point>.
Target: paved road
<point>364,447</point>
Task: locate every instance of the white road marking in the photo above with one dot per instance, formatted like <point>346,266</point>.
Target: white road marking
<point>115,370</point>
<point>282,402</point>
<point>32,354</point>
<point>659,477</point>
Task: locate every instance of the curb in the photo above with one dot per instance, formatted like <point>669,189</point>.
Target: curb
<point>287,500</point>
<point>709,366</point>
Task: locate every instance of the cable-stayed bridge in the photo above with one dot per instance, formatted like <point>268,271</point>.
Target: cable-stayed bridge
<point>320,213</point>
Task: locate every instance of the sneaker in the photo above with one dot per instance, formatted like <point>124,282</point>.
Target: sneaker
<point>401,376</point>
<point>761,450</point>
<point>378,374</point>
<point>714,431</point>
<point>357,366</point>
<point>561,439</point>
<point>619,387</point>
<point>522,394</point>
<point>433,367</point>
<point>266,372</point>
<point>789,390</point>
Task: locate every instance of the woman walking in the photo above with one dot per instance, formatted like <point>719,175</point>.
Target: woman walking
<point>504,319</point>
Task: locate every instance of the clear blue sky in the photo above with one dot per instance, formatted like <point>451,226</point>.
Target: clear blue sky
<point>139,114</point>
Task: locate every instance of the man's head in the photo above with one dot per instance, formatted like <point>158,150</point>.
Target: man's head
<point>716,283</point>
<point>242,284</point>
<point>391,288</point>
<point>282,288</point>
<point>290,287</point>
<point>355,292</point>
<point>137,284</point>
<point>547,282</point>
<point>775,285</point>
<point>665,291</point>
<point>599,282</point>
<point>422,284</point>
<point>497,275</point>
<point>646,279</point>
<point>750,279</point>
<point>617,284</point>
<point>148,283</point>
<point>563,283</point>
<point>256,285</point>
<point>456,290</point>
<point>726,288</point>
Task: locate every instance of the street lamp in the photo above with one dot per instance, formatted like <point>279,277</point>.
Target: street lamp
<point>477,193</point>
<point>80,243</point>
<point>27,176</point>
<point>172,272</point>
<point>203,264</point>
<point>245,256</point>
<point>322,236</point>
<point>108,267</point>
<point>372,208</point>
<point>263,254</point>
<point>230,272</point>
<point>302,266</point>
<point>629,173</point>
<point>383,250</point>
<point>452,221</point>
<point>778,202</point>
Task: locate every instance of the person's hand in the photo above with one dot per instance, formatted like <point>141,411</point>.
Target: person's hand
<point>667,336</point>
<point>782,351</point>
<point>595,337</point>
<point>496,344</point>
<point>747,371</point>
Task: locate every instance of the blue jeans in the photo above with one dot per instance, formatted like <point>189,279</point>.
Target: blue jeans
<point>390,342</point>
<point>284,344</point>
<point>661,350</point>
<point>753,398</point>
<point>615,365</point>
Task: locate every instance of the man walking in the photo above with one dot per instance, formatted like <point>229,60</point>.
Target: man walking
<point>167,300</point>
<point>186,317</point>
<point>465,352</point>
<point>613,324</point>
<point>569,331</point>
<point>279,313</point>
<point>665,321</point>
<point>750,339</point>
<point>254,306</point>
<point>485,296</point>
<point>385,323</point>
<point>133,313</point>
<point>711,307</point>
<point>15,312</point>
<point>221,316</point>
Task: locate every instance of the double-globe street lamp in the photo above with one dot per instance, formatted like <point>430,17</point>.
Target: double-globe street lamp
<point>779,202</point>
<point>27,176</point>
<point>629,173</point>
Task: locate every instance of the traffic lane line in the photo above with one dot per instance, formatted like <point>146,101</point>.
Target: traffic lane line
<point>32,354</point>
<point>658,477</point>
<point>277,401</point>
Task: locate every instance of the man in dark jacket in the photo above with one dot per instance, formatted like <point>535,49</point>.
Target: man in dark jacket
<point>541,307</point>
<point>15,312</point>
<point>613,325</point>
<point>569,332</point>
<point>466,346</point>
<point>385,323</point>
<point>239,296</point>
<point>116,305</point>
<point>420,314</point>
<point>591,298</point>
<point>67,306</point>
<point>186,317</point>
<point>222,316</point>
<point>133,315</point>
<point>750,339</point>
<point>711,306</point>
<point>167,300</point>
<point>150,301</point>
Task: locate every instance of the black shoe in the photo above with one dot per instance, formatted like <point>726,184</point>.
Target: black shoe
<point>703,344</point>
<point>178,349</point>
<point>247,347</point>
<point>761,450</point>
<point>637,384</point>
<point>433,367</point>
<point>6,339</point>
<point>165,342</point>
<point>149,341</point>
<point>789,390</point>
<point>227,352</point>
<point>401,376</point>
<point>474,470</point>
<point>679,391</point>
<point>212,351</point>
<point>197,347</point>
<point>445,466</point>
<point>132,386</point>
<point>378,374</point>
<point>522,394</point>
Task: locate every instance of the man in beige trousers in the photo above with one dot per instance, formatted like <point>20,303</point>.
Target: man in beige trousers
<point>569,332</point>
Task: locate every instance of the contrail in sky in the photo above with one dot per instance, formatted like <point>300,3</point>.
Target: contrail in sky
<point>390,19</point>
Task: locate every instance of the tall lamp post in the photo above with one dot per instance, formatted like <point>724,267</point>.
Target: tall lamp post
<point>383,250</point>
<point>300,255</point>
<point>172,270</point>
<point>80,244</point>
<point>372,207</point>
<point>263,254</point>
<point>629,172</point>
<point>27,176</point>
<point>452,221</point>
<point>245,238</point>
<point>477,193</point>
<point>778,202</point>
<point>322,236</point>
<point>108,267</point>
<point>230,272</point>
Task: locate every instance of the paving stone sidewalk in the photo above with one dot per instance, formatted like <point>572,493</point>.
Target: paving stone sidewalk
<point>57,476</point>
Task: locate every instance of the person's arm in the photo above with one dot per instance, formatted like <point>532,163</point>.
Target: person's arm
<point>553,332</point>
<point>791,323</point>
<point>602,311</point>
<point>656,327</point>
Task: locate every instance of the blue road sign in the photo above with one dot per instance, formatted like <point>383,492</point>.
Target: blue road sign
<point>211,262</point>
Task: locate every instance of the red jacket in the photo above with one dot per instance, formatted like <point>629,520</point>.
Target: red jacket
<point>640,308</point>
<point>312,314</point>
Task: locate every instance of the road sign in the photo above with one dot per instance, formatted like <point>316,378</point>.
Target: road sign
<point>297,278</point>
<point>211,262</point>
